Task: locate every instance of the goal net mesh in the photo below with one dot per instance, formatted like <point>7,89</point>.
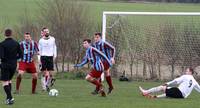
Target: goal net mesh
<point>154,46</point>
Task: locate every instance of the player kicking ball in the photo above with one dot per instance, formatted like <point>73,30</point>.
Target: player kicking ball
<point>48,54</point>
<point>186,83</point>
<point>94,57</point>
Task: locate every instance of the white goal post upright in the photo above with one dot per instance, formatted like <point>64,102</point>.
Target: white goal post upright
<point>105,13</point>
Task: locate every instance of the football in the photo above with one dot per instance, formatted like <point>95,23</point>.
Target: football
<point>53,92</point>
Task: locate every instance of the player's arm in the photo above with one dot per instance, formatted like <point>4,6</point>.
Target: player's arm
<point>20,53</point>
<point>1,51</point>
<point>97,52</point>
<point>55,50</point>
<point>0,54</point>
<point>175,81</point>
<point>36,49</point>
<point>40,50</point>
<point>111,47</point>
<point>84,61</point>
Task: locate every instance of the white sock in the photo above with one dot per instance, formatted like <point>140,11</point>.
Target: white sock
<point>161,96</point>
<point>154,89</point>
<point>48,81</point>
<point>43,83</point>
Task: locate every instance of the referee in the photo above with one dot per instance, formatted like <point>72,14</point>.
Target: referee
<point>9,53</point>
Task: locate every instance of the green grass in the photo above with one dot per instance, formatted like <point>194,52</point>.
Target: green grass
<point>76,94</point>
<point>11,10</point>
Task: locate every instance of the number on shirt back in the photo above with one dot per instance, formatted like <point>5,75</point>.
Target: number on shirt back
<point>190,83</point>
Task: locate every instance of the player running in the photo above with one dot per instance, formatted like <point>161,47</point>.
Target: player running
<point>94,57</point>
<point>48,53</point>
<point>109,51</point>
<point>186,84</point>
<point>26,64</point>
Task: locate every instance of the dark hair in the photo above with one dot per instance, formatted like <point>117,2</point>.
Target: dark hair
<point>88,40</point>
<point>44,28</point>
<point>8,32</point>
<point>191,70</point>
<point>27,33</point>
<point>98,33</point>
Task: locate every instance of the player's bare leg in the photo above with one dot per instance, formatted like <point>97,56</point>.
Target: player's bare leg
<point>152,90</point>
<point>18,81</point>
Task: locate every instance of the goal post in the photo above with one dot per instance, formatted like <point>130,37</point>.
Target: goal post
<point>153,44</point>
<point>105,13</point>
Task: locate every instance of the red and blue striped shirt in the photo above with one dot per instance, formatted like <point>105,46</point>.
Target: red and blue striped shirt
<point>105,48</point>
<point>94,57</point>
<point>28,49</point>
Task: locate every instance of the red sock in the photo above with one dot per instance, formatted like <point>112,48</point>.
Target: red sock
<point>18,82</point>
<point>34,83</point>
<point>97,83</point>
<point>109,81</point>
<point>97,87</point>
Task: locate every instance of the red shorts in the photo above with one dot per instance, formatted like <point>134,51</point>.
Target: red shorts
<point>28,67</point>
<point>95,74</point>
<point>106,65</point>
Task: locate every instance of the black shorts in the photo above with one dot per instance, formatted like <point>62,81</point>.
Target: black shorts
<point>47,63</point>
<point>174,92</point>
<point>7,73</point>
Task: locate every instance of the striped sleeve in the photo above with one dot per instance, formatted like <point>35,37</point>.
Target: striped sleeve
<point>84,61</point>
<point>111,47</point>
<point>21,45</point>
<point>101,55</point>
<point>36,49</point>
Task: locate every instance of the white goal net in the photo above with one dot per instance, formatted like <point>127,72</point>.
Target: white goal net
<point>153,44</point>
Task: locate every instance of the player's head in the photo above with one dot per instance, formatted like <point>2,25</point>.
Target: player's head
<point>27,36</point>
<point>189,71</point>
<point>8,32</point>
<point>45,31</point>
<point>42,32</point>
<point>97,37</point>
<point>86,43</point>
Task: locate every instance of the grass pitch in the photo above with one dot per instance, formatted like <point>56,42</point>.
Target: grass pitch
<point>76,94</point>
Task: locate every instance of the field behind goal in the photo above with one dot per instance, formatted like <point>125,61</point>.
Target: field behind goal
<point>76,94</point>
<point>153,45</point>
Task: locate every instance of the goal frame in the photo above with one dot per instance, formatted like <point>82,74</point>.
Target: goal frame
<point>105,13</point>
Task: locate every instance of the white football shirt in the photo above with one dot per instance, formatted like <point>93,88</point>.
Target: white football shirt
<point>47,47</point>
<point>186,84</point>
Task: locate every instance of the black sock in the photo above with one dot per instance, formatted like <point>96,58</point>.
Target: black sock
<point>8,92</point>
<point>10,85</point>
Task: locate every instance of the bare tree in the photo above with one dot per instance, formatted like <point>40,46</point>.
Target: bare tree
<point>69,22</point>
<point>170,44</point>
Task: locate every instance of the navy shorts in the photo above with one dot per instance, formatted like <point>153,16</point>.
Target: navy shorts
<point>7,73</point>
<point>47,63</point>
<point>174,92</point>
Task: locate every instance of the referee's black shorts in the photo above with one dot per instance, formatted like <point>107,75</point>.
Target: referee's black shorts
<point>47,63</point>
<point>7,72</point>
<point>173,92</point>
